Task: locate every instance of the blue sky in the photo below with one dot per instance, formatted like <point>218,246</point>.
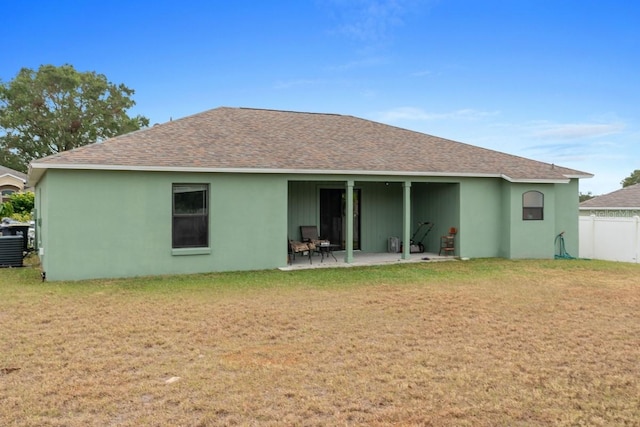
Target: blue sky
<point>551,80</point>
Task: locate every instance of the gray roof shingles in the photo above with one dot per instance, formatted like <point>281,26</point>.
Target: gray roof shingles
<point>244,138</point>
<point>7,171</point>
<point>627,197</point>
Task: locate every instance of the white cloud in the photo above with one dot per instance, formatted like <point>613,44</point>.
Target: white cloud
<point>417,114</point>
<point>370,20</point>
<point>577,130</point>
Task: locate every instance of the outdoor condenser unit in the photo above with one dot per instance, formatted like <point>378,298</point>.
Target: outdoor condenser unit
<point>11,251</point>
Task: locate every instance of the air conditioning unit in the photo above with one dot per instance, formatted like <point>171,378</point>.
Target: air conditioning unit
<point>11,251</point>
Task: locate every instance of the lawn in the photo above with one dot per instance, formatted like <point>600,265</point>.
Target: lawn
<point>469,343</point>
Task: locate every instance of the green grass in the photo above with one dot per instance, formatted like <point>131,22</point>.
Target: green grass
<point>477,343</point>
<point>323,278</point>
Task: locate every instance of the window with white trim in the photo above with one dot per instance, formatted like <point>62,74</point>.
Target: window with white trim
<point>532,206</point>
<point>190,228</point>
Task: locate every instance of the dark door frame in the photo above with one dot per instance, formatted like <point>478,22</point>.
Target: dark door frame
<point>332,210</point>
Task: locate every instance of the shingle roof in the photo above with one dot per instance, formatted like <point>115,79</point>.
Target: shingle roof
<point>6,171</point>
<point>627,197</point>
<point>244,139</point>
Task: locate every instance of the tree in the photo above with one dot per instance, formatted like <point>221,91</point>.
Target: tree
<point>55,109</point>
<point>634,178</point>
<point>9,159</point>
<point>585,196</point>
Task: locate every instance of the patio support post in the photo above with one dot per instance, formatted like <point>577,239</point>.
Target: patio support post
<point>348,256</point>
<point>406,221</point>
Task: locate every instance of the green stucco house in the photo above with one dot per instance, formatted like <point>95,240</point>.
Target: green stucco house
<point>225,189</point>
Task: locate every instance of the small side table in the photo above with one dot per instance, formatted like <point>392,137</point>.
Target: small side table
<point>326,250</point>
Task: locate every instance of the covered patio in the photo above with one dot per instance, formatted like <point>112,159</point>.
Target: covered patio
<point>361,259</point>
<point>362,215</point>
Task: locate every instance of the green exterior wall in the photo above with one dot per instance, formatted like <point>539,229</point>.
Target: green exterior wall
<point>536,239</point>
<point>117,224</point>
<point>531,239</point>
<point>505,219</point>
<point>567,204</point>
<point>95,224</point>
<point>481,220</point>
<point>381,215</point>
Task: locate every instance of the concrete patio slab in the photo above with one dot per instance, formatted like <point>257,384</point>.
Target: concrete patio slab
<point>361,259</point>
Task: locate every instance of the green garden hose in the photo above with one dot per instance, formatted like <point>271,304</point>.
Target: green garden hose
<point>559,243</point>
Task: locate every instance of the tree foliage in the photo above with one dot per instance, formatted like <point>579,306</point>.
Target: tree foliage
<point>9,159</point>
<point>585,196</point>
<point>634,178</point>
<point>22,203</point>
<point>55,109</point>
<point>6,209</point>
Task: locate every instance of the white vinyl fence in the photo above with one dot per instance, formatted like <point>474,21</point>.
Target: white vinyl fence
<point>610,238</point>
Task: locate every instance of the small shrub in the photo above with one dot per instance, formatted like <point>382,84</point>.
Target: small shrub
<point>22,203</point>
<point>22,217</point>
<point>6,209</point>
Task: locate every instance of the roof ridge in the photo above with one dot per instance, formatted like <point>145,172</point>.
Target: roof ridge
<point>286,111</point>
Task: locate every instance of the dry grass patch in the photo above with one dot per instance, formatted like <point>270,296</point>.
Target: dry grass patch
<point>487,342</point>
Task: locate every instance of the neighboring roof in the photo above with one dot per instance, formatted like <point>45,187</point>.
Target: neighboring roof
<point>269,141</point>
<point>18,175</point>
<point>625,198</point>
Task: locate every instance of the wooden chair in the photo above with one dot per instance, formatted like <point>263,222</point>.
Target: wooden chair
<point>447,243</point>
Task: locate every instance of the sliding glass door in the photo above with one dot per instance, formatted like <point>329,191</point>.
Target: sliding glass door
<point>332,216</point>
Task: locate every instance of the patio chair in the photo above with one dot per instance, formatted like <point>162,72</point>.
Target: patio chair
<point>296,247</point>
<point>447,243</point>
<point>309,234</point>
